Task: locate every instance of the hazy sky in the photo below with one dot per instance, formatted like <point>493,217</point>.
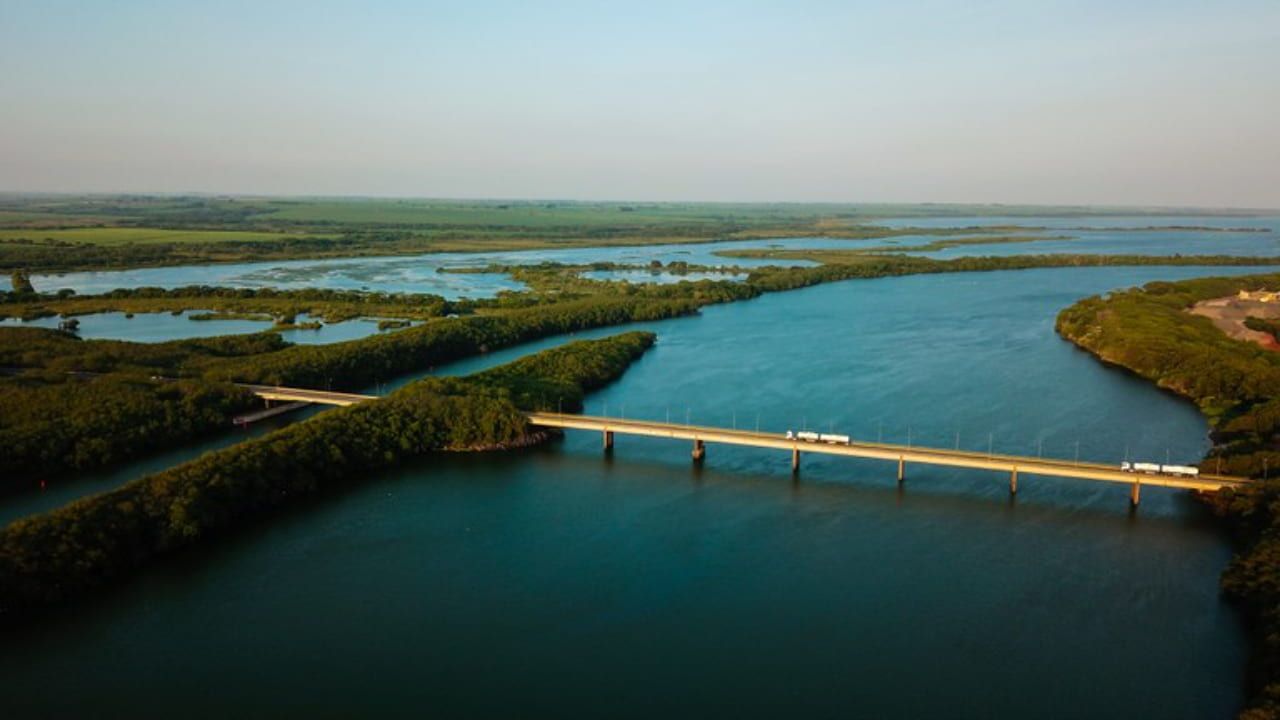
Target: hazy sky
<point>1115,102</point>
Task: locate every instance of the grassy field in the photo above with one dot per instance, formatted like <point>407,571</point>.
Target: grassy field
<point>442,213</point>
<point>111,236</point>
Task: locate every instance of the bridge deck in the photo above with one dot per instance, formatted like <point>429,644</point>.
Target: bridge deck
<point>324,397</point>
<point>884,451</point>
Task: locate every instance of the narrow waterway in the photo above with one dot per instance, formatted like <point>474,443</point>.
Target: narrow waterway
<point>560,582</point>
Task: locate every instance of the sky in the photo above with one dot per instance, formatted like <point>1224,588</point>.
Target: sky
<point>1124,102</point>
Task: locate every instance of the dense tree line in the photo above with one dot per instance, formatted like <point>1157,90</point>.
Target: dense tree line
<point>332,305</point>
<point>558,379</point>
<point>360,363</point>
<point>57,555</point>
<point>57,351</point>
<point>1237,385</point>
<point>1270,326</point>
<point>266,359</point>
<point>55,422</point>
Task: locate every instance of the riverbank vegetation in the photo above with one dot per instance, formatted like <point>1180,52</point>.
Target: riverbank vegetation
<point>1237,385</point>
<point>54,423</point>
<point>329,305</point>
<point>58,555</point>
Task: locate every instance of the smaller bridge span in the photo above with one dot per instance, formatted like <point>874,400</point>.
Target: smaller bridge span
<point>293,395</point>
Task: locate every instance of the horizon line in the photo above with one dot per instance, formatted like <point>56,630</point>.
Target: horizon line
<point>584,201</point>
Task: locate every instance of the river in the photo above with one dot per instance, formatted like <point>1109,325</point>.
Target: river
<point>559,582</point>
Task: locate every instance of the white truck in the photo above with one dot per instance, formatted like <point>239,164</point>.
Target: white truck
<point>1158,469</point>
<point>814,437</point>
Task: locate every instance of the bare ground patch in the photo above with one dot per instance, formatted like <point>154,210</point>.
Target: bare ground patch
<point>1229,314</point>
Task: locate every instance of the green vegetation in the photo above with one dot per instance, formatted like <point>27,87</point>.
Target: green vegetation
<point>21,282</point>
<point>55,422</point>
<point>49,558</point>
<point>330,305</point>
<point>118,236</point>
<point>207,316</point>
<point>931,246</point>
<point>558,379</point>
<point>1237,385</point>
<point>60,352</point>
<point>1271,326</point>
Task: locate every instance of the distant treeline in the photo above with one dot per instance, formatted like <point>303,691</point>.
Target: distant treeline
<point>1237,385</point>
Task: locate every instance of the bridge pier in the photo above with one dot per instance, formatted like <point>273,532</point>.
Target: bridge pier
<point>902,469</point>
<point>608,440</point>
<point>1013,482</point>
<point>795,460</point>
<point>1135,493</point>
<point>699,451</point>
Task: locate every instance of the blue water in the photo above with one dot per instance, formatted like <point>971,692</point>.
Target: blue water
<point>1106,238</point>
<point>1156,242</point>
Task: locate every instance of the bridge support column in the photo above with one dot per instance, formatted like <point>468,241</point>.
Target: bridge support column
<point>902,469</point>
<point>1013,482</point>
<point>1135,494</point>
<point>795,460</point>
<point>699,451</point>
<point>608,440</point>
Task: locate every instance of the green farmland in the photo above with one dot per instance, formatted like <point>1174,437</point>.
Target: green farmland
<point>115,236</point>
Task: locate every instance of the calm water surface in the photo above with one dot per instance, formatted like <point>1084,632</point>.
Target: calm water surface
<point>1120,235</point>
<point>559,582</point>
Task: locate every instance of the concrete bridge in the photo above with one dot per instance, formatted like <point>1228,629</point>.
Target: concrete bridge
<point>295,395</point>
<point>699,436</point>
<point>1014,465</point>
